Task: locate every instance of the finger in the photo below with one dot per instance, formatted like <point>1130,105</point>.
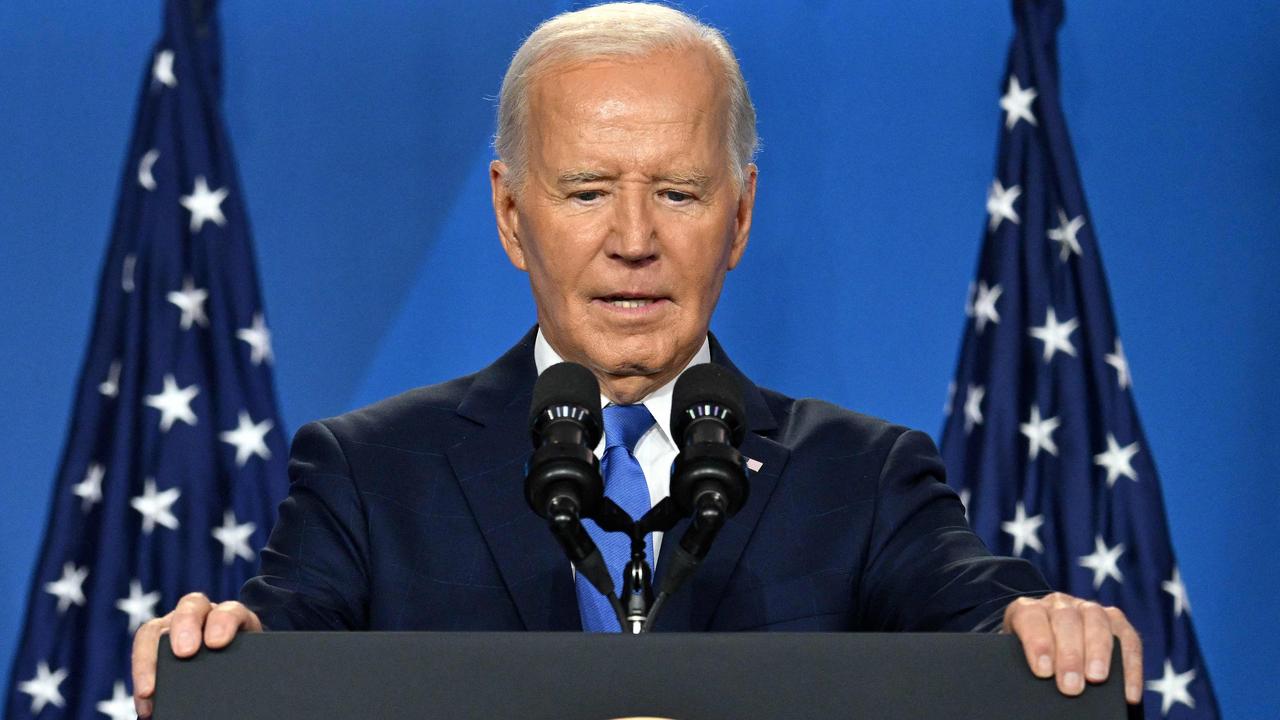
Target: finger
<point>1028,619</point>
<point>224,620</point>
<point>187,624</point>
<point>145,645</point>
<point>1130,652</point>
<point>1068,643</point>
<point>1098,642</point>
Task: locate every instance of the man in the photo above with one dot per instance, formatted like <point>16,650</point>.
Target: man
<point>625,190</point>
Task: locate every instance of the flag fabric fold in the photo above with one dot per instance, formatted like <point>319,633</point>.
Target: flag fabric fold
<point>1042,438</point>
<point>175,457</point>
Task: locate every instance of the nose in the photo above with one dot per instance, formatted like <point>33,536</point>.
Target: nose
<point>634,235</point>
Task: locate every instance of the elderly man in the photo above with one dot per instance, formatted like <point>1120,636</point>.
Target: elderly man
<point>625,190</point>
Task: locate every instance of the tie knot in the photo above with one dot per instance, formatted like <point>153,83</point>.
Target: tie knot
<point>624,424</point>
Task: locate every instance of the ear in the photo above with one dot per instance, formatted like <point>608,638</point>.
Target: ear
<point>746,205</point>
<point>506,212</point>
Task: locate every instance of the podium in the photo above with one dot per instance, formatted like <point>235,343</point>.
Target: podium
<point>575,676</point>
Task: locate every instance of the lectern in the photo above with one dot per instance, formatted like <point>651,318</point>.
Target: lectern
<point>574,676</point>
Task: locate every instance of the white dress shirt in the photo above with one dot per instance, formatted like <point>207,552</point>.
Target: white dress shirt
<point>655,450</point>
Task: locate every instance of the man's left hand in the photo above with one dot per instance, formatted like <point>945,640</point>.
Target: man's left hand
<point>1071,639</point>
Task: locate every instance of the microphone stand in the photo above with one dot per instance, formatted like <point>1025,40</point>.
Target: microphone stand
<point>638,608</point>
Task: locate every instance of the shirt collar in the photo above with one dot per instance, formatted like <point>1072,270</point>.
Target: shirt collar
<point>658,402</point>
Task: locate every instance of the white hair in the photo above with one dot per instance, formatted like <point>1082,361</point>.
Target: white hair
<point>620,29</point>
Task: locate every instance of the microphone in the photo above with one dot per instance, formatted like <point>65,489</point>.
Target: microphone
<point>707,420</point>
<point>564,422</point>
<point>562,481</point>
<point>709,480</point>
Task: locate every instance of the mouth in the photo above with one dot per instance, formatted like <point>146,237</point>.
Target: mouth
<point>631,304</point>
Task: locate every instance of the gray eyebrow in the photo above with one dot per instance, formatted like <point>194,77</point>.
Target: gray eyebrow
<point>574,177</point>
<point>693,177</point>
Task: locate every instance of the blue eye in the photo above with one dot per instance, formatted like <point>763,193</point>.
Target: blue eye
<point>676,195</point>
<point>587,195</point>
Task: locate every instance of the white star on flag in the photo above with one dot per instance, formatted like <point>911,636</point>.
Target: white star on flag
<point>1016,103</point>
<point>984,306</point>
<point>1117,460</point>
<point>1039,433</point>
<point>140,606</point>
<point>162,69</point>
<point>89,490</point>
<point>43,688</point>
<point>1173,688</point>
<point>259,339</point>
<point>973,406</point>
<point>234,538</point>
<point>156,507</point>
<point>148,161</point>
<point>190,300</point>
<point>69,589</point>
<point>1065,234</point>
<point>120,705</point>
<point>1000,204</point>
<point>1118,361</point>
<point>174,403</point>
<point>1056,336</point>
<point>204,204</point>
<point>1025,530</point>
<point>965,495</point>
<point>249,438</point>
<point>1174,587</point>
<point>1103,562</point>
<point>111,386</point>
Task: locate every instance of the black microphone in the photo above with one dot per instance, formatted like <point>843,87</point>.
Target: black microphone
<point>564,421</point>
<point>709,480</point>
<point>562,482</point>
<point>708,422</point>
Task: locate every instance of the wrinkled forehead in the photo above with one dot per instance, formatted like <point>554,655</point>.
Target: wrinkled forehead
<point>666,91</point>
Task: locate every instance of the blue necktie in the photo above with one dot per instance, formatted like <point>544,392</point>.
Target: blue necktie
<point>624,483</point>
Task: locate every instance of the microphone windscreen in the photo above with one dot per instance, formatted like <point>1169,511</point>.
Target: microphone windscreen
<point>707,385</point>
<point>568,383</point>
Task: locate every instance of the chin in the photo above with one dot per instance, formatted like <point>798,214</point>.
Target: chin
<point>636,354</point>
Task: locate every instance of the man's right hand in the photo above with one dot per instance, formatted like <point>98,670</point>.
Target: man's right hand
<point>193,622</point>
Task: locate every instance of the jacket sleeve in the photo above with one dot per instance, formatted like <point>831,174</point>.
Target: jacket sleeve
<point>926,569</point>
<point>314,570</point>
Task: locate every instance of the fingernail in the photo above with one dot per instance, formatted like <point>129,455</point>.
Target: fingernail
<point>1073,682</point>
<point>186,641</point>
<point>1044,665</point>
<point>1097,670</point>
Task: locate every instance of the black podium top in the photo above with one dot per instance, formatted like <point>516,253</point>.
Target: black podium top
<point>573,676</point>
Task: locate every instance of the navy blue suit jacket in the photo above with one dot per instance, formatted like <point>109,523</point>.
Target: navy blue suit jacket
<point>409,514</point>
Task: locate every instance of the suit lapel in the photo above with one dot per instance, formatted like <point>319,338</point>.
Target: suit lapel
<point>694,605</point>
<point>490,467</point>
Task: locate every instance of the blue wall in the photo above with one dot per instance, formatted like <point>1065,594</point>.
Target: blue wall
<point>361,131</point>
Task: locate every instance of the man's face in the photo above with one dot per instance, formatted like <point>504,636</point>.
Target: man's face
<point>628,217</point>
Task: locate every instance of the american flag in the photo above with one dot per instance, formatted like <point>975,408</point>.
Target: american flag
<point>1042,438</point>
<point>175,456</point>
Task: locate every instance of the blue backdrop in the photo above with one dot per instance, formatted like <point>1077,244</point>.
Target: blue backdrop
<point>362,134</point>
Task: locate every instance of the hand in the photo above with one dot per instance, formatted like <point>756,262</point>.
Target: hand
<point>193,620</point>
<point>1072,639</point>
